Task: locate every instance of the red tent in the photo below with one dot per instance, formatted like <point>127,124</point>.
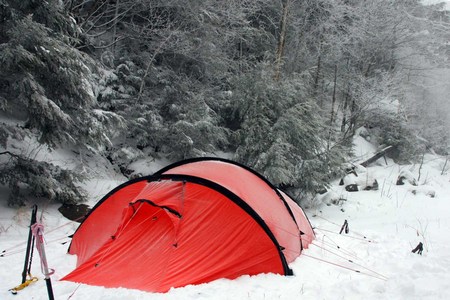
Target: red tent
<point>192,222</point>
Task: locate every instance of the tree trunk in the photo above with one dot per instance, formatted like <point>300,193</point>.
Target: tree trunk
<point>333,102</point>
<point>240,56</point>
<point>114,37</point>
<point>420,167</point>
<point>281,40</point>
<point>316,82</point>
<point>353,117</point>
<point>150,63</point>
<point>445,164</point>
<point>344,110</point>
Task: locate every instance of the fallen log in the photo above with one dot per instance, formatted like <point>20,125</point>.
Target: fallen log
<point>376,156</point>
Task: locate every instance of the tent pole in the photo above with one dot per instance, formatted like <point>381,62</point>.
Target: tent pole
<point>29,244</point>
<point>48,282</point>
<point>38,232</point>
<point>47,274</point>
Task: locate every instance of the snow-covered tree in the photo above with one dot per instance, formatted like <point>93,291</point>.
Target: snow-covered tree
<point>38,181</point>
<point>281,134</point>
<point>282,83</point>
<point>48,90</point>
<point>48,84</point>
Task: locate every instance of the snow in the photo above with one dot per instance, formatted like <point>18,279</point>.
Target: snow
<point>385,225</point>
<point>431,2</point>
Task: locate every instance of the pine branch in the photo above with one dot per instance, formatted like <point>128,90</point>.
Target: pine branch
<point>11,154</point>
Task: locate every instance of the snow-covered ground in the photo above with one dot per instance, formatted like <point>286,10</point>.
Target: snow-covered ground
<point>373,261</point>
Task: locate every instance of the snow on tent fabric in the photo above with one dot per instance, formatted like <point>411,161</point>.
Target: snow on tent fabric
<point>192,222</point>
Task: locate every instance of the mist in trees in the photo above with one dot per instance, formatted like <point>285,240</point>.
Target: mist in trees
<point>280,85</point>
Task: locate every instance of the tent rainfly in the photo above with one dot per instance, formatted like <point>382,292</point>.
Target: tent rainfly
<point>192,222</point>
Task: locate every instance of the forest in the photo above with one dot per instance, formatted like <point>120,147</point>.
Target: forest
<point>278,85</point>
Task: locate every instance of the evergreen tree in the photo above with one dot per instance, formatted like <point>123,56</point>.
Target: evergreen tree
<point>47,82</point>
<point>282,83</point>
<point>32,180</point>
<point>282,136</point>
<point>47,90</point>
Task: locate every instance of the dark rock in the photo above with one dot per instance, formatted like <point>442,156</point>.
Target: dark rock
<point>74,212</point>
<point>351,188</point>
<point>400,180</point>
<point>375,185</point>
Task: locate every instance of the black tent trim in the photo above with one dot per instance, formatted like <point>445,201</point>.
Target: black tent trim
<point>199,159</point>
<point>238,201</point>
